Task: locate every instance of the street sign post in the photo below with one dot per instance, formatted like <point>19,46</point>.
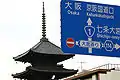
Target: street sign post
<point>90,28</point>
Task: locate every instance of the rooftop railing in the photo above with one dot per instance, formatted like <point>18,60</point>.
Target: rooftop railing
<point>107,66</point>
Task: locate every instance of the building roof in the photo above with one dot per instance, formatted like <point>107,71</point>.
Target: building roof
<point>59,72</point>
<point>47,47</point>
<point>86,74</point>
<point>44,47</point>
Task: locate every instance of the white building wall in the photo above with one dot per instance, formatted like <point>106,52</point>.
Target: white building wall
<point>113,75</point>
<point>94,77</point>
<point>102,77</point>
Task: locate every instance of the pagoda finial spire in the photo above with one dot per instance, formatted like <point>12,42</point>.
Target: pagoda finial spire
<point>43,23</point>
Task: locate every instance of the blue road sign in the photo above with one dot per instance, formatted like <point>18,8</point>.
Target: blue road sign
<point>94,28</point>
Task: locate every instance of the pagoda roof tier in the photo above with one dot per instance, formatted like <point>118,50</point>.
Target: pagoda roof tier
<point>32,72</point>
<point>43,49</point>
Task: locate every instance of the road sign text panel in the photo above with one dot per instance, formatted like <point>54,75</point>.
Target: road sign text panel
<point>90,28</point>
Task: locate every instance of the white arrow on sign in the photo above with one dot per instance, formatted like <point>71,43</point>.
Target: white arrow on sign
<point>117,46</point>
<point>89,21</point>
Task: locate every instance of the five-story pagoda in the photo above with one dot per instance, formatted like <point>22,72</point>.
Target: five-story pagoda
<point>43,58</point>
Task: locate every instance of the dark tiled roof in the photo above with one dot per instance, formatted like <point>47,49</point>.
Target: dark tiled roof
<point>43,47</point>
<point>57,71</point>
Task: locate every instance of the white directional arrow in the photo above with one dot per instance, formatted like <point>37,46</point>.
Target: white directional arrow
<point>117,46</point>
<point>89,21</point>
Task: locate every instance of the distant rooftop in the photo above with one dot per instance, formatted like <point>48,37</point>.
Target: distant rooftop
<point>100,69</point>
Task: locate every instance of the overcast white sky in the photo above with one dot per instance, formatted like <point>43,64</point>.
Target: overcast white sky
<point>20,29</point>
